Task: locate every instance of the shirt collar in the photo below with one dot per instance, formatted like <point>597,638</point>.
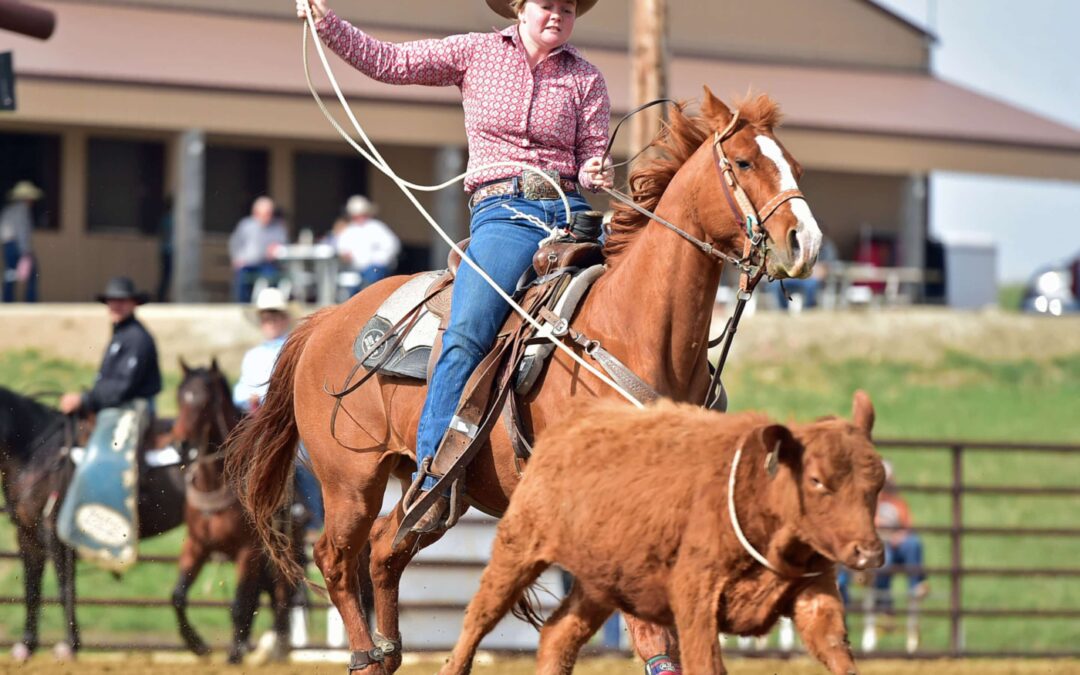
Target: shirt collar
<point>511,33</point>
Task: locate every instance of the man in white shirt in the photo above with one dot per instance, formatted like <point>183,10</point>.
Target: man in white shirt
<point>275,322</point>
<point>367,244</point>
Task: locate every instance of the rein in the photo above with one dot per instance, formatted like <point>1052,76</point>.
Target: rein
<point>738,528</point>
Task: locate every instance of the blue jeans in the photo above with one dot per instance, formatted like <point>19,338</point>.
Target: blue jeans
<point>907,552</point>
<point>245,278</point>
<point>503,241</point>
<point>807,288</point>
<point>11,262</point>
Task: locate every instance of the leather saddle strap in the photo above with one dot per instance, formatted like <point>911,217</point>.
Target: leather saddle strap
<point>616,369</point>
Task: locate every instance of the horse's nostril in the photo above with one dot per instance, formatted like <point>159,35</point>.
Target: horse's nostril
<point>793,241</point>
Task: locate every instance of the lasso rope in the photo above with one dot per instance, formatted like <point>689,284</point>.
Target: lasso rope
<point>372,155</point>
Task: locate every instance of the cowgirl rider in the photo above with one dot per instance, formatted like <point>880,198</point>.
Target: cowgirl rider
<point>529,97</point>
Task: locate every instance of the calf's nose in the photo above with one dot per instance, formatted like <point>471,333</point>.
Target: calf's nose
<point>868,554</point>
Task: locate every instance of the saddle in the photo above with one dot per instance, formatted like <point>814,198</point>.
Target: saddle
<point>403,339</point>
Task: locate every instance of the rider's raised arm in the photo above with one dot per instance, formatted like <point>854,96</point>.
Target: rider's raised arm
<point>437,63</point>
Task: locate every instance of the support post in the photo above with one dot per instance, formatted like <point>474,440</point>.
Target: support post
<point>188,217</point>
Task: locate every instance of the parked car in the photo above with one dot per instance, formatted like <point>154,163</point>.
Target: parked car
<point>1053,290</point>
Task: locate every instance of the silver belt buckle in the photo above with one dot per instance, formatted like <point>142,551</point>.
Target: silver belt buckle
<point>535,187</point>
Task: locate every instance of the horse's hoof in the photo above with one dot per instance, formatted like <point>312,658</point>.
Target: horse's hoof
<point>63,652</point>
<point>21,653</point>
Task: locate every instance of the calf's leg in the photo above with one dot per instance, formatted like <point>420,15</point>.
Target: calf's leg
<point>819,617</point>
<point>511,570</point>
<point>568,629</point>
<point>695,601</point>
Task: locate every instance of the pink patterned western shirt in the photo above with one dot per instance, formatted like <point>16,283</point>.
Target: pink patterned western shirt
<point>554,117</point>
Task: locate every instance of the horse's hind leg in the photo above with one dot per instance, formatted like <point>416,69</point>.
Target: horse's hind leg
<point>64,562</point>
<point>568,629</point>
<point>33,558</point>
<point>350,512</point>
<point>192,558</point>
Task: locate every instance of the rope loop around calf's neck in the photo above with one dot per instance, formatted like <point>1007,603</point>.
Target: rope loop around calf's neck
<point>754,553</point>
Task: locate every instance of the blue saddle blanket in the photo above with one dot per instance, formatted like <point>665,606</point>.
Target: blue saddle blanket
<point>99,516</point>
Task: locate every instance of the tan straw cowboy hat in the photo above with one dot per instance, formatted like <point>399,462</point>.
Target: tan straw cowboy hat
<point>24,189</point>
<point>503,8</point>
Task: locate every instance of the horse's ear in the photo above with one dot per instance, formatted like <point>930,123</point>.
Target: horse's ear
<point>715,109</point>
<point>780,447</point>
<point>214,365</point>
<point>183,365</point>
<point>862,412</point>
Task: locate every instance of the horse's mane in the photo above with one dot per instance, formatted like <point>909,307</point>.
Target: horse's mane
<point>680,138</point>
<point>22,423</point>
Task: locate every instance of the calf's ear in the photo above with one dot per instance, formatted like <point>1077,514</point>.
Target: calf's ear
<point>862,412</point>
<point>780,447</point>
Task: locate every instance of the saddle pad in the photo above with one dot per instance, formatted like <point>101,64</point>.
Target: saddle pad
<point>410,358</point>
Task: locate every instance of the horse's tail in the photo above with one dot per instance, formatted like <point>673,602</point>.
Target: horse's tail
<point>261,449</point>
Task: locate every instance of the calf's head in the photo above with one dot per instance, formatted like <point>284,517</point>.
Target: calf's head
<point>825,478</point>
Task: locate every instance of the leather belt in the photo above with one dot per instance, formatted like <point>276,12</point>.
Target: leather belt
<point>536,189</point>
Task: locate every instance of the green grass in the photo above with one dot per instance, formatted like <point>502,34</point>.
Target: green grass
<point>960,397</point>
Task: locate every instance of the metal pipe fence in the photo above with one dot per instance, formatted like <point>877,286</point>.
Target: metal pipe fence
<point>957,570</point>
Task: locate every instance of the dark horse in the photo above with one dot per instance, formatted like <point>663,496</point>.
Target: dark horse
<point>35,463</point>
<point>216,523</point>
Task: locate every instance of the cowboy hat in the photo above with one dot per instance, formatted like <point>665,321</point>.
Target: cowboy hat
<point>122,288</point>
<point>503,8</point>
<point>271,299</point>
<point>359,205</point>
<point>24,189</point>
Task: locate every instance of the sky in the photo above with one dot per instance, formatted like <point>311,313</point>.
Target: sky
<point>1028,55</point>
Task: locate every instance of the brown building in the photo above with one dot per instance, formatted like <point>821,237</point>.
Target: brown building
<point>134,100</point>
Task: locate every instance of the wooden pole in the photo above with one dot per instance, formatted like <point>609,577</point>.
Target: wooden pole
<point>649,49</point>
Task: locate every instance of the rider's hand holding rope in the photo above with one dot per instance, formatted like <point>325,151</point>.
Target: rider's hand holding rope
<point>319,8</point>
<point>596,174</point>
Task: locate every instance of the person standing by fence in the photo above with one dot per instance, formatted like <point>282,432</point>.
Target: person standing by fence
<point>16,228</point>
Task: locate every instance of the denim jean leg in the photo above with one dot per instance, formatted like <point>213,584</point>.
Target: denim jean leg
<point>11,261</point>
<point>503,246</point>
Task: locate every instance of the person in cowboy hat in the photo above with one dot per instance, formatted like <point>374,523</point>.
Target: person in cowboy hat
<point>367,244</point>
<point>129,369</point>
<point>271,308</point>
<point>16,225</point>
<point>529,97</point>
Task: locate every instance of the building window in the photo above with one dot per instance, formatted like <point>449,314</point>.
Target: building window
<point>234,178</point>
<point>36,158</point>
<point>125,185</point>
<point>322,185</point>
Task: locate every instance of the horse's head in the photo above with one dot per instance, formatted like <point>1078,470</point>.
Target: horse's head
<point>749,156</point>
<point>205,412</point>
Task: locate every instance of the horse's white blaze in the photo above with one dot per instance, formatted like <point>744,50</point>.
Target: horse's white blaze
<point>808,233</point>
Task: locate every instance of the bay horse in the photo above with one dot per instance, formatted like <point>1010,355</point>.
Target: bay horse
<point>36,468</point>
<point>652,309</point>
<point>216,523</point>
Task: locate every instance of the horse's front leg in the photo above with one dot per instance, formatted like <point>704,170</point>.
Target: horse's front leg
<point>250,571</point>
<point>33,557</point>
<point>192,557</point>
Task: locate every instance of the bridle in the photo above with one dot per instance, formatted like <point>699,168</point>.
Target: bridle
<point>751,264</point>
<point>199,452</point>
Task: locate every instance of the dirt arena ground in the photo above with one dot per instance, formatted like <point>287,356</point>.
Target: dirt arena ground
<point>119,664</point>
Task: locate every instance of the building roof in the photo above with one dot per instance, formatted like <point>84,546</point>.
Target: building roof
<point>245,55</point>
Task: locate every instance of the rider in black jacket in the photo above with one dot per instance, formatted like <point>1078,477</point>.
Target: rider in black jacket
<point>129,369</point>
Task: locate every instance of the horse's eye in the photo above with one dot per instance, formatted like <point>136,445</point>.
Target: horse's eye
<point>818,485</point>
<point>743,164</point>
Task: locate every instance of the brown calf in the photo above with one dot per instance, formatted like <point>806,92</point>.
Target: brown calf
<point>635,504</point>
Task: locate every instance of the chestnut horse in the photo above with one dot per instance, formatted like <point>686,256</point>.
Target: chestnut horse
<point>652,309</point>
<point>215,521</point>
